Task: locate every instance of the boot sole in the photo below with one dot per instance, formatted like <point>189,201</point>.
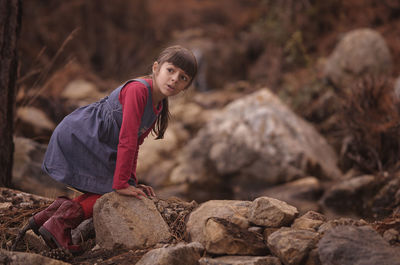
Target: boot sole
<point>32,225</point>
<point>49,239</point>
<point>51,242</point>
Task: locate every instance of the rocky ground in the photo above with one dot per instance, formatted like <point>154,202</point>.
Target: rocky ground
<point>16,207</point>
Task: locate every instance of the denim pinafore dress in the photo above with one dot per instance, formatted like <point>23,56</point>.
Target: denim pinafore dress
<point>82,150</point>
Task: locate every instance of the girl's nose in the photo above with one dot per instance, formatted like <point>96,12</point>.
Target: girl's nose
<point>175,76</point>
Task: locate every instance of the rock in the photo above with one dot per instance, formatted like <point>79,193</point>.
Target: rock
<point>309,221</point>
<point>292,246</point>
<point>34,122</point>
<point>240,260</point>
<point>157,176</point>
<point>360,53</point>
<point>27,172</point>
<point>157,157</point>
<point>340,222</point>
<point>282,147</point>
<point>396,87</point>
<point>34,241</point>
<point>302,193</point>
<point>128,221</point>
<point>224,237</point>
<point>349,245</point>
<point>182,253</point>
<point>313,258</point>
<point>348,195</point>
<point>22,258</point>
<point>81,91</point>
<point>83,232</point>
<point>391,236</point>
<point>191,114</point>
<point>385,200</point>
<point>270,212</point>
<point>232,211</point>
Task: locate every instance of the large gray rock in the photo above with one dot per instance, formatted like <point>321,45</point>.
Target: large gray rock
<point>270,212</point>
<point>350,245</point>
<point>233,211</point>
<point>292,246</point>
<point>256,141</point>
<point>360,53</point>
<point>23,258</point>
<point>182,253</point>
<point>240,260</point>
<point>128,221</point>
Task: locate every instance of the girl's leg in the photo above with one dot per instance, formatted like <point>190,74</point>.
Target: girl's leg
<point>56,231</point>
<point>87,201</point>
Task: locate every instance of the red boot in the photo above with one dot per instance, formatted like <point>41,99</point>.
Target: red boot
<point>56,231</point>
<point>36,221</point>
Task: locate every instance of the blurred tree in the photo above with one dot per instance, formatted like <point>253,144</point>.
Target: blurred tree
<point>10,21</point>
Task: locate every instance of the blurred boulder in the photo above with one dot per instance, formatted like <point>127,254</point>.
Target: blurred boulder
<point>302,193</point>
<point>360,53</point>
<point>28,175</point>
<point>81,92</point>
<point>350,195</point>
<point>34,122</point>
<point>254,143</point>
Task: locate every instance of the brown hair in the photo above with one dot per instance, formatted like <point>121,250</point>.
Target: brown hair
<point>184,59</point>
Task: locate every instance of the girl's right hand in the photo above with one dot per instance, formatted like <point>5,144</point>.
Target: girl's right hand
<point>132,191</point>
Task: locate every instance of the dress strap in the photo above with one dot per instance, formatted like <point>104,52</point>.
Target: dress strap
<point>144,82</point>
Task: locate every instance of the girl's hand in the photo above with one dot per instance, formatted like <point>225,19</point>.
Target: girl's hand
<point>132,191</point>
<point>147,189</point>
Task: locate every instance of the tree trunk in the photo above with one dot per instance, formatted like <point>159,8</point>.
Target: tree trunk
<point>10,21</point>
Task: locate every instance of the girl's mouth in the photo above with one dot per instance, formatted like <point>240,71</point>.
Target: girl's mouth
<point>170,87</point>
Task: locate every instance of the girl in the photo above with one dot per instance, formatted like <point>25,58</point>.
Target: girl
<point>95,148</point>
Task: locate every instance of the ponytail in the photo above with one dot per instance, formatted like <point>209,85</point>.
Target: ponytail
<point>162,120</point>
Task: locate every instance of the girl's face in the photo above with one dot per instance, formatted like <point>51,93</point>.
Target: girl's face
<point>170,80</point>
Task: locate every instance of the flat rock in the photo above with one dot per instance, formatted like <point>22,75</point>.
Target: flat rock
<point>182,253</point>
<point>240,260</point>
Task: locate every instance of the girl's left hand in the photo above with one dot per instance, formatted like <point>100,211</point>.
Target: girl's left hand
<point>147,189</point>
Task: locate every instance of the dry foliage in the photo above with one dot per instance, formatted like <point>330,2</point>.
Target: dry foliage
<point>371,119</point>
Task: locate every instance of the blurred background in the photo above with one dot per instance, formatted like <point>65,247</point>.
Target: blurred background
<point>333,63</point>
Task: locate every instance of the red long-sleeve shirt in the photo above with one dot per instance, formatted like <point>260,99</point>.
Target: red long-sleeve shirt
<point>133,98</point>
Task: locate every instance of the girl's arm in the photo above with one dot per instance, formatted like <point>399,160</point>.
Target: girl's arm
<point>133,98</point>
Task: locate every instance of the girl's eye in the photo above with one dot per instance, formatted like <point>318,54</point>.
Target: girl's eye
<point>170,70</point>
<point>184,78</point>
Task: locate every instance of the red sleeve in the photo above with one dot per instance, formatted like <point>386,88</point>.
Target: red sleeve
<point>133,98</point>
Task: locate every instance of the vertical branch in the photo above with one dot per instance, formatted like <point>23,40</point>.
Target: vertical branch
<point>10,21</point>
